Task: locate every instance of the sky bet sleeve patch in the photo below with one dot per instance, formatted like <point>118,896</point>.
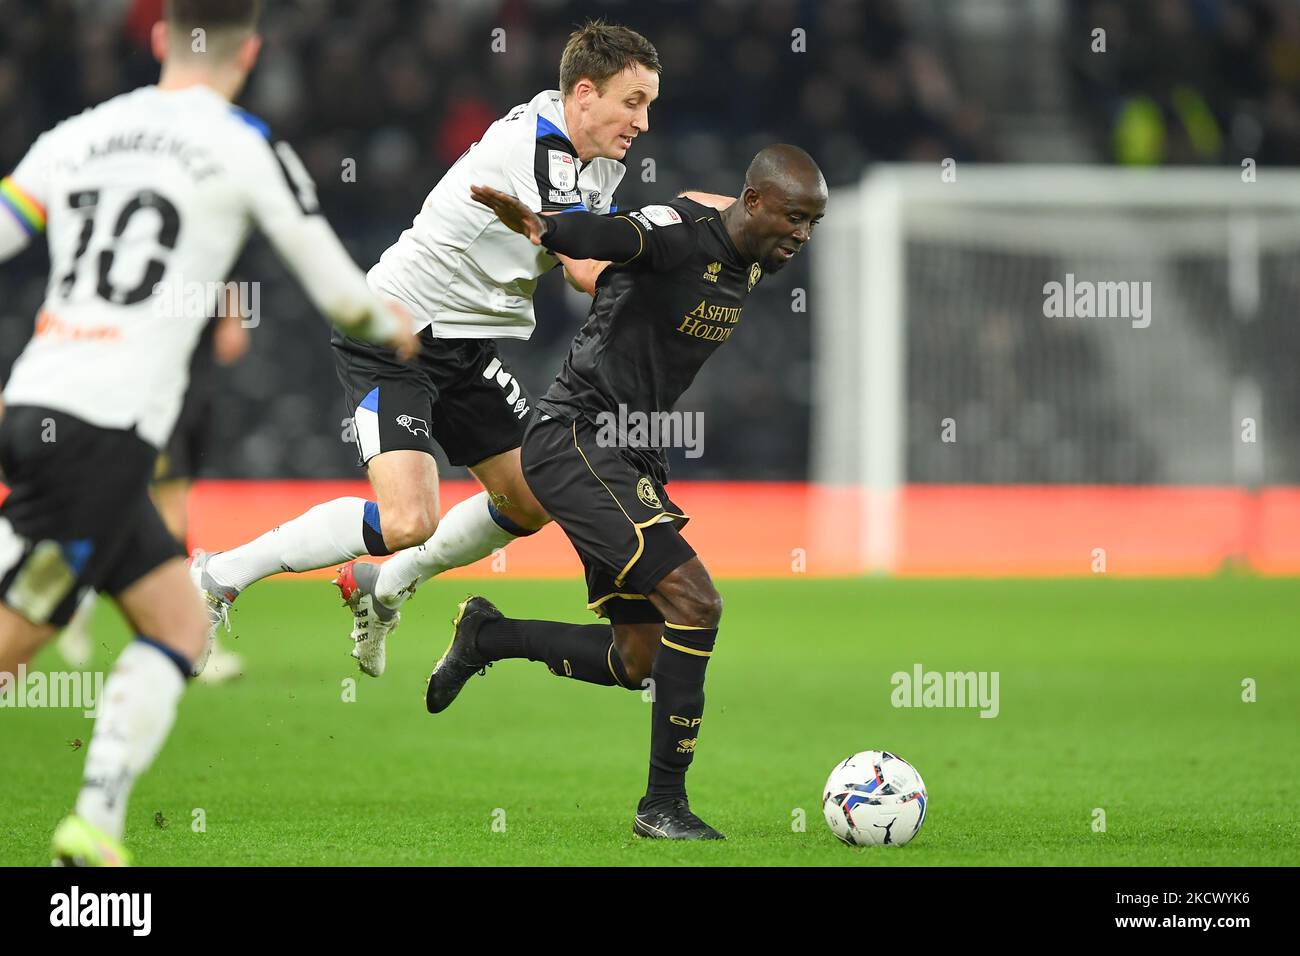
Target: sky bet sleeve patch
<point>564,175</point>
<point>662,215</point>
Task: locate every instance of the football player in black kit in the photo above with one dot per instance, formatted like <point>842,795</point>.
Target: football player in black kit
<point>674,292</point>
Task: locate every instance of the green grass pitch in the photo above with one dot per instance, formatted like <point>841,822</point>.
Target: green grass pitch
<point>1119,695</point>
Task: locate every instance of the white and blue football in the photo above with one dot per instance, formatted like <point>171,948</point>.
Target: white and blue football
<point>874,798</point>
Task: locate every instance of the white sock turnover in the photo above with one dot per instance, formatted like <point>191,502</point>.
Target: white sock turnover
<point>466,533</point>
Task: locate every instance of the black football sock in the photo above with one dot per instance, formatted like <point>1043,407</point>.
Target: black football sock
<point>582,651</point>
<point>678,676</point>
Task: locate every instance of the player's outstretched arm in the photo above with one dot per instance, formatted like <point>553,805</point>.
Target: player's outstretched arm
<point>513,213</point>
<point>580,272</point>
<point>578,235</point>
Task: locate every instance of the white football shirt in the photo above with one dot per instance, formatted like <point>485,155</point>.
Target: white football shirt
<point>146,200</point>
<point>457,268</point>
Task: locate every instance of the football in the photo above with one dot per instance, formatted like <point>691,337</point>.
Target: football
<point>874,798</point>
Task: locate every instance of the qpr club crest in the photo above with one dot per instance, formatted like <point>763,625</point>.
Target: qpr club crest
<point>645,490</point>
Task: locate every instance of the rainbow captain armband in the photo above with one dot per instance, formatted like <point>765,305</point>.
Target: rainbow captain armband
<point>27,210</point>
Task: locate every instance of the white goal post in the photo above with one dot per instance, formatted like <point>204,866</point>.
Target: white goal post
<point>946,280</point>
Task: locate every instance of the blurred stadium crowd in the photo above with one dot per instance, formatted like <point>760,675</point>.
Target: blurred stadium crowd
<point>1190,81</point>
<point>402,88</point>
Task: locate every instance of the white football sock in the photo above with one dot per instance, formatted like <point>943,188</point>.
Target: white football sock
<point>136,711</point>
<point>465,534</point>
<point>327,534</point>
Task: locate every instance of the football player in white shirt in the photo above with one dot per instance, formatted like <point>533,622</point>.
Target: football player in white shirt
<point>143,198</point>
<point>468,280</point>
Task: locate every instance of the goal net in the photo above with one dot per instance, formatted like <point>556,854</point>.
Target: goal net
<point>1054,327</point>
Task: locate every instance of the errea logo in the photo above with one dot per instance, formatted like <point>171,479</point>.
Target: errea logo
<point>711,271</point>
<point>514,391</point>
<point>75,908</point>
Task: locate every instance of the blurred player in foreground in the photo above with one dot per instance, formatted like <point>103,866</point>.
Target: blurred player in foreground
<point>147,199</point>
<point>223,342</point>
<point>676,292</point>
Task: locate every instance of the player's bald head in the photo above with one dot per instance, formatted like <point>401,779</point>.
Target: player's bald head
<point>785,169</point>
<point>783,200</point>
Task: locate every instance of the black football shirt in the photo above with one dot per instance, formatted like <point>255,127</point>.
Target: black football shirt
<point>654,322</point>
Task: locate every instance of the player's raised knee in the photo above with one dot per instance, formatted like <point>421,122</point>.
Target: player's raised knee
<point>407,527</point>
<point>709,609</point>
<point>691,598</point>
<point>702,608</point>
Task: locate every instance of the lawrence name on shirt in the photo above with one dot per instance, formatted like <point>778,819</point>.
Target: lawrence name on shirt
<point>145,200</point>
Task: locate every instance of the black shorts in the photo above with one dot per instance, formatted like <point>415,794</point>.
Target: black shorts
<point>619,519</point>
<point>190,439</point>
<point>456,392</point>
<point>78,514</point>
